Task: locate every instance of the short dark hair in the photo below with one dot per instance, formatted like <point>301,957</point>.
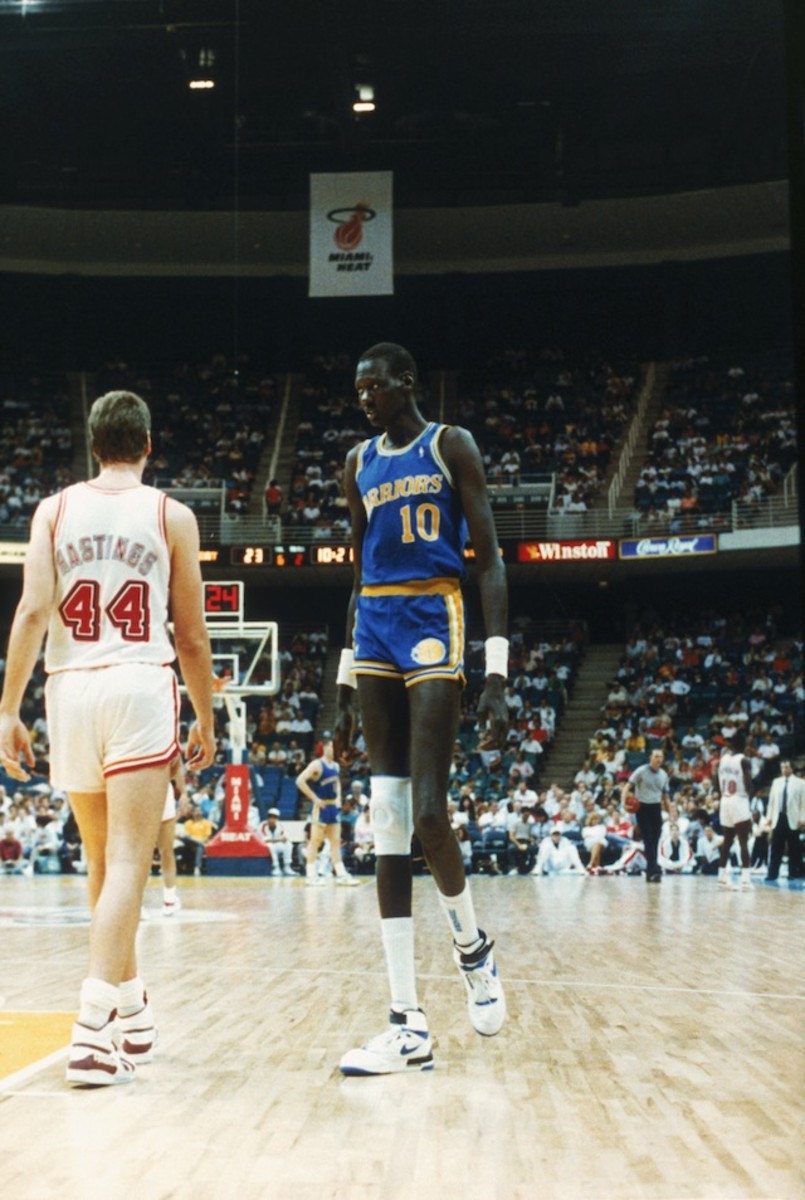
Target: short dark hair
<point>396,357</point>
<point>119,426</point>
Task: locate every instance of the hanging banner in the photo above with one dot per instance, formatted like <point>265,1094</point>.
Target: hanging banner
<point>351,231</point>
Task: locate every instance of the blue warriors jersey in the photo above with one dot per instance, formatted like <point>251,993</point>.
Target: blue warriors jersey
<point>415,527</point>
<point>325,786</point>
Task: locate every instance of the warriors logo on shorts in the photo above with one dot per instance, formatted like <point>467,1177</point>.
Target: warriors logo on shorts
<point>428,652</point>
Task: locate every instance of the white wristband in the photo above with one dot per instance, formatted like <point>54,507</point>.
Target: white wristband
<point>497,656</point>
<point>345,677</point>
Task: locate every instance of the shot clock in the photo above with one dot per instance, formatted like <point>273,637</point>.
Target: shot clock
<point>223,601</point>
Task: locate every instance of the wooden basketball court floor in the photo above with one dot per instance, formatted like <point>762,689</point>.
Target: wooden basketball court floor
<point>654,1047</point>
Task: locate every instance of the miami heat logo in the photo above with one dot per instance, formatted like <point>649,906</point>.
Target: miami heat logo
<point>350,221</point>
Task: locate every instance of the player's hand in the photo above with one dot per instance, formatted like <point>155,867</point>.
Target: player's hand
<point>200,749</point>
<point>15,741</point>
<point>493,715</point>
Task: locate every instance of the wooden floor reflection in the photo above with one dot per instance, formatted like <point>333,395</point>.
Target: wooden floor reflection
<point>654,1048</point>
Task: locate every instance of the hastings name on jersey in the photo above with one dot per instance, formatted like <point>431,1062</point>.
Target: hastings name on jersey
<point>98,547</point>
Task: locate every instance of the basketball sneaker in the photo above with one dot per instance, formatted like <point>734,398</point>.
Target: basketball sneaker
<point>137,1034</point>
<point>405,1046</point>
<point>725,884</point>
<point>486,1003</point>
<point>315,881</point>
<point>171,907</point>
<point>347,881</point>
<point>94,1059</point>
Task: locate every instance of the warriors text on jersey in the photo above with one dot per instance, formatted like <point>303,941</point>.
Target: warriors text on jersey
<point>112,562</point>
<point>415,527</point>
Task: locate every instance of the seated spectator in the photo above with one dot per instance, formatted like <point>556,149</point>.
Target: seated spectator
<point>674,855</point>
<point>521,839</point>
<point>194,834</point>
<point>594,836</point>
<point>275,837</point>
<point>12,857</point>
<point>364,843</point>
<point>558,855</point>
<point>708,851</point>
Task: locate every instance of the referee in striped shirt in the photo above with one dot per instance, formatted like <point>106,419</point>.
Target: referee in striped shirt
<point>649,784</point>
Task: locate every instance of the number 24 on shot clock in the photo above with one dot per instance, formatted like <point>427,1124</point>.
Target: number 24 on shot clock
<point>223,600</point>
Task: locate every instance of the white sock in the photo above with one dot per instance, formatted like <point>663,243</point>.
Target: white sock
<point>722,872</point>
<point>310,870</point>
<point>340,869</point>
<point>398,943</point>
<point>169,895</point>
<point>98,1002</point>
<point>132,996</point>
<point>460,914</point>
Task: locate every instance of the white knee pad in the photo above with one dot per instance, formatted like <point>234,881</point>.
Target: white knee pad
<point>391,810</point>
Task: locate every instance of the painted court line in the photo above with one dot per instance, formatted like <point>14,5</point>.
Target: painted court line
<point>26,1073</point>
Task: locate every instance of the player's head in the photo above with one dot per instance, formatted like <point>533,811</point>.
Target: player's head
<point>736,742</point>
<point>120,428</point>
<point>398,360</point>
<point>386,382</point>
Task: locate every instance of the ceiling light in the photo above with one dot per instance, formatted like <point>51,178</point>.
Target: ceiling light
<point>200,85</point>
<point>365,102</point>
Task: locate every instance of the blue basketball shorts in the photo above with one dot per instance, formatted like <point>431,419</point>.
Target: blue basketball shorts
<point>329,814</point>
<point>411,631</point>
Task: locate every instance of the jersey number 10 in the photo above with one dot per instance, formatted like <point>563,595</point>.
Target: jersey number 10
<point>426,520</point>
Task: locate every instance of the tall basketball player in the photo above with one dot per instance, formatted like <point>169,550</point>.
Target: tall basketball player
<point>414,491</point>
<point>106,561</point>
<point>735,786</point>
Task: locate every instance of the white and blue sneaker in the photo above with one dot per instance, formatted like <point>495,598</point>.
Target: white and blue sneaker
<point>486,1003</point>
<point>405,1046</point>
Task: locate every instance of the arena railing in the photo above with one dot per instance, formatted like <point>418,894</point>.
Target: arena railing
<point>531,521</point>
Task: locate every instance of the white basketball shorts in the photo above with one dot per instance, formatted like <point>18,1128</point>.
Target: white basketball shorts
<point>110,720</point>
<point>169,811</point>
<point>733,810</point>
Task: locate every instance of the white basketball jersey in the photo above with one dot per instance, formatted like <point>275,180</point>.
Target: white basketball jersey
<point>110,551</point>
<point>731,776</point>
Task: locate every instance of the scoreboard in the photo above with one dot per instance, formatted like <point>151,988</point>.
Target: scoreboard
<point>544,552</point>
<point>320,554</point>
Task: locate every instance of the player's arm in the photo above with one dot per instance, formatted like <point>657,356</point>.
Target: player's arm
<point>311,771</point>
<point>344,725</point>
<point>463,459</point>
<point>746,768</point>
<point>190,632</point>
<point>25,641</point>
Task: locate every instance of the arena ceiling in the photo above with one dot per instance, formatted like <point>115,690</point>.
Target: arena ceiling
<point>477,101</point>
